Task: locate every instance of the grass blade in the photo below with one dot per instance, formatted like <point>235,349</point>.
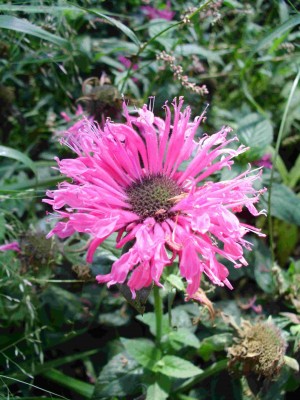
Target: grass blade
<point>17,155</point>
<point>24,26</point>
<point>118,24</point>
<point>84,389</point>
<point>276,33</point>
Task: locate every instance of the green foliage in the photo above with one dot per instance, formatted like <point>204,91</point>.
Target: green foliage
<point>63,336</point>
<point>120,377</point>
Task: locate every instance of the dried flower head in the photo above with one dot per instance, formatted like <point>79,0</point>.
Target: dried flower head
<point>149,179</point>
<point>260,349</point>
<point>37,253</point>
<point>102,98</point>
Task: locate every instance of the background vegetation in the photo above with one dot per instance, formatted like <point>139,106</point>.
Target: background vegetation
<point>62,335</point>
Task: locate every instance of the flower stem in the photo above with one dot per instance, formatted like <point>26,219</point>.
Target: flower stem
<point>158,309</point>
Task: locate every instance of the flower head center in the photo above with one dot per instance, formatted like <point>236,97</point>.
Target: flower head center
<point>152,196</point>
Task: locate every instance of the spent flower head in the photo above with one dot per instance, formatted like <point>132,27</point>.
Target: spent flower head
<point>260,348</point>
<point>150,180</point>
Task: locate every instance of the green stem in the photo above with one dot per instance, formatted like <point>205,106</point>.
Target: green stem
<point>211,370</point>
<point>278,142</point>
<point>171,297</point>
<point>158,309</point>
<point>60,280</point>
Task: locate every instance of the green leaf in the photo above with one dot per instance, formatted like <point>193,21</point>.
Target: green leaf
<point>233,4</point>
<point>2,227</point>
<point>214,343</point>
<point>155,27</point>
<point>82,388</point>
<point>277,32</point>
<point>190,49</point>
<point>159,390</point>
<point>128,32</point>
<point>294,174</point>
<point>24,26</point>
<point>183,337</point>
<point>275,388</point>
<point>144,351</point>
<point>280,166</point>
<point>115,318</point>
<point>256,132</point>
<point>177,367</point>
<point>176,282</point>
<point>184,397</point>
<point>37,9</point>
<point>149,319</point>
<point>41,368</point>
<point>260,259</point>
<point>17,155</point>
<point>292,363</point>
<point>62,306</point>
<point>285,205</point>
<point>287,240</point>
<point>120,377</point>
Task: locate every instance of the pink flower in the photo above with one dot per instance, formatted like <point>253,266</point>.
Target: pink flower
<point>10,246</point>
<point>76,127</point>
<point>265,161</point>
<point>67,118</point>
<point>127,63</point>
<point>150,181</point>
<point>251,304</point>
<point>153,13</point>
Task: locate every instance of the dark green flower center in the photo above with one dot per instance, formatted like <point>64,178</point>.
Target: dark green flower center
<point>151,196</point>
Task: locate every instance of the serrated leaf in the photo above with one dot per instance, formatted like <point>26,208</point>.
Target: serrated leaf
<point>149,319</point>
<point>256,132</point>
<point>260,259</point>
<point>120,377</point>
<point>177,367</point>
<point>24,26</point>
<point>159,390</point>
<point>144,351</point>
<point>183,337</point>
<point>285,205</point>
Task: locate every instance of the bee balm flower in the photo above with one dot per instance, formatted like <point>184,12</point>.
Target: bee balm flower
<point>129,178</point>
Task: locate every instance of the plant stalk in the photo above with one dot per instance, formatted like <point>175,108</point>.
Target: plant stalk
<point>158,309</point>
